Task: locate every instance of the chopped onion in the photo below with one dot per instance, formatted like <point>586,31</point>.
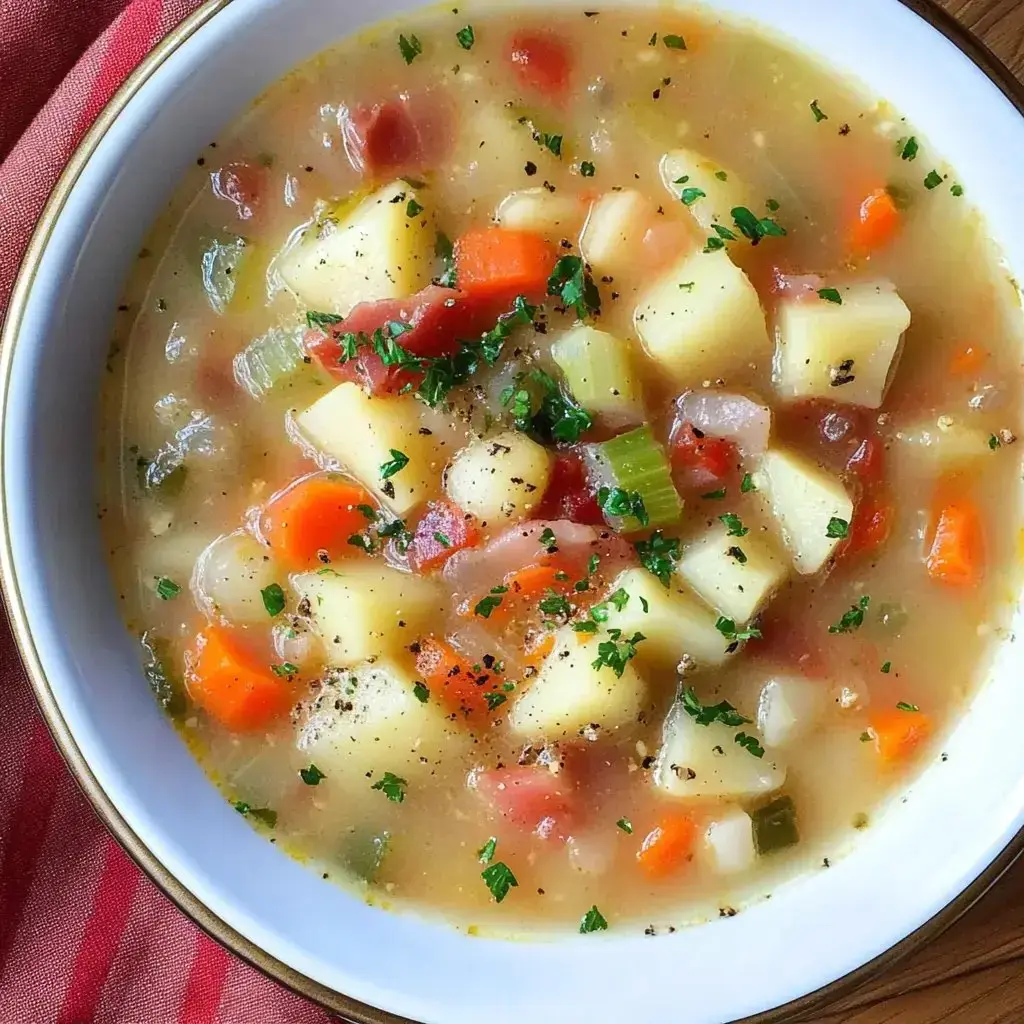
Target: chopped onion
<point>721,414</point>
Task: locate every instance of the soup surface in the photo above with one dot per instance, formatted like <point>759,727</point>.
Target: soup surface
<point>559,464</point>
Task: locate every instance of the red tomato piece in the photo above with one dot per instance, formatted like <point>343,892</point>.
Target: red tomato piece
<point>383,139</point>
<point>872,524</point>
<point>867,463</point>
<point>531,797</point>
<point>703,461</point>
<point>569,495</point>
<point>542,62</point>
<point>240,184</point>
<point>443,530</point>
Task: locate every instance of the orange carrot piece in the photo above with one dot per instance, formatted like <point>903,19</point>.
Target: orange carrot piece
<point>316,514</point>
<point>668,846</point>
<point>503,262</point>
<point>234,686</point>
<point>957,553</point>
<point>898,733</point>
<point>534,580</point>
<point>443,530</point>
<point>878,221</point>
<point>451,679</point>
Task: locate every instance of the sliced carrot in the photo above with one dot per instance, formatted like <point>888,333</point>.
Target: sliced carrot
<point>898,733</point>
<point>232,684</point>
<point>317,514</point>
<point>668,846</point>
<point>443,530</point>
<point>453,679</point>
<point>968,361</point>
<point>538,647</point>
<point>504,263</point>
<point>957,554</point>
<point>878,221</point>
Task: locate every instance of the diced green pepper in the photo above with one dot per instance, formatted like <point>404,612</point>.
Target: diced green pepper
<point>270,359</point>
<point>775,826</point>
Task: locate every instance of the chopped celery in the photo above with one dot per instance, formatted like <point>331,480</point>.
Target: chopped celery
<point>270,360</point>
<point>599,372</point>
<point>168,690</point>
<point>775,826</point>
<point>222,261</point>
<point>164,474</point>
<point>364,852</point>
<point>635,463</point>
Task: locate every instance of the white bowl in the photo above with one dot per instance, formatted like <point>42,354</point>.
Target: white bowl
<point>929,855</point>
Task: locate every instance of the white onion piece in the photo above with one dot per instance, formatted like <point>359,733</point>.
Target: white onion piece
<point>593,852</point>
<point>292,643</point>
<point>720,414</point>
<point>797,286</point>
<point>229,576</point>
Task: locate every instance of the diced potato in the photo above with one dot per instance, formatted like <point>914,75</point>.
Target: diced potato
<point>363,611</point>
<point>501,478</point>
<point>173,553</point>
<point>675,623</point>
<point>569,694</point>
<point>947,442</point>
<point>614,233</point>
<point>599,370</point>
<point>736,575</point>
<point>843,352</point>
<point>703,320</point>
<point>552,215</point>
<point>230,574</point>
<point>706,761</point>
<point>721,195</point>
<point>789,708</point>
<point>377,251</point>
<point>729,841</point>
<point>360,431</point>
<point>804,499</point>
<point>367,720</point>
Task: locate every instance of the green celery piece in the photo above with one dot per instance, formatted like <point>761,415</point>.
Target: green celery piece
<point>635,461</point>
<point>775,826</point>
<point>364,852</point>
<point>270,360</point>
<point>221,263</point>
<point>168,690</point>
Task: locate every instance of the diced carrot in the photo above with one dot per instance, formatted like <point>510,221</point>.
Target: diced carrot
<point>443,530</point>
<point>500,262</point>
<point>538,647</point>
<point>957,553</point>
<point>317,514</point>
<point>872,524</point>
<point>533,580</point>
<point>897,733</point>
<point>451,678</point>
<point>230,683</point>
<point>668,846</point>
<point>968,360</point>
<point>878,221</point>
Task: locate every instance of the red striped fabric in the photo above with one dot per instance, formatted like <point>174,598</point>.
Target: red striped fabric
<point>85,938</point>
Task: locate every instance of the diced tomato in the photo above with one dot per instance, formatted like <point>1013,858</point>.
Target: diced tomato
<point>867,463</point>
<point>569,495</point>
<point>702,461</point>
<point>240,184</point>
<point>443,530</point>
<point>542,62</point>
<point>872,524</point>
<point>531,797</point>
<point>846,437</point>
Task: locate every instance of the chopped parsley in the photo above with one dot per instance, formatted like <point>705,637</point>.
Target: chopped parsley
<point>933,180</point>
<point>262,814</point>
<point>724,233</point>
<point>273,599</point>
<point>772,205</point>
<point>548,541</point>
<point>715,495</point>
<point>540,407</point>
<point>614,501</point>
<point>571,282</point>
<point>311,776</point>
<point>413,209</point>
<point>494,699</point>
<point>466,37</point>
<point>728,629</point>
<point>616,653</point>
<point>957,190</point>
<point>819,114</point>
<point>626,825</point>
<point>316,320</point>
<point>909,148</point>
<point>555,604</point>
<point>674,42</point>
<point>734,525</point>
<point>286,670</point>
<point>620,599</point>
<point>747,484</point>
<point>499,879</point>
<point>363,541</point>
<point>167,588</point>
<point>713,245</point>
<point>421,692</point>
<point>486,605</point>
<point>587,169</point>
<point>552,143</point>
<point>993,443</point>
<point>708,714</point>
<point>755,228</point>
<point>887,667</point>
<point>593,920</point>
<point>392,787</point>
<point>442,539</point>
<point>830,295</point>
<point>397,462</point>
<point>659,555</point>
<point>409,48</point>
<point>749,744</point>
<point>837,529</point>
<point>904,706</point>
<point>445,252</point>
<point>721,176</point>
<point>690,195</point>
<point>853,619</point>
<point>486,852</point>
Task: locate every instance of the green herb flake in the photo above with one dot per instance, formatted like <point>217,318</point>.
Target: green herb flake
<point>887,667</point>
<point>643,604</point>
<point>311,776</point>
<point>571,282</point>
<point>261,814</point>
<point>409,48</point>
<point>397,462</point>
<point>392,787</point>
<point>619,599</point>
<point>909,149</point>
<point>747,484</point>
<point>273,599</point>
<point>933,180</point>
<point>659,555</point>
<point>167,588</point>
<point>442,539</point>
<point>285,670</point>
<point>756,228</point>
<point>548,541</point>
<point>653,41</point>
<point>853,619</point>
<point>727,627</point>
<point>690,195</point>
<point>830,295</point>
<point>734,525</point>
<point>616,653</point>
<point>494,699</point>
<point>587,626</point>
<point>708,714</point>
<point>485,606</point>
<point>837,529</point>
<point>957,190</point>
<point>593,921</point>
<point>552,143</point>
<point>626,825</point>
<point>819,114</point>
<point>865,737</point>
<point>466,37</point>
<point>674,42</point>
<point>772,205</point>
<point>363,541</point>
<point>713,245</point>
<point>414,209</point>
<point>421,692</point>
<point>486,852</point>
<point>749,744</point>
<point>718,495</point>
<point>316,320</point>
<point>556,605</point>
<point>721,175</point>
<point>499,879</point>
<point>587,169</point>
<point>904,706</point>
<point>444,250</point>
<point>993,443</point>
<point>619,503</point>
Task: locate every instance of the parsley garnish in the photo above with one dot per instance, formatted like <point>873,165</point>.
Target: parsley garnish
<point>659,555</point>
<point>837,529</point>
<point>586,626</point>
<point>728,629</point>
<point>626,825</point>
<point>362,540</point>
<point>392,787</point>
<point>734,524</point>
<point>933,180</point>
<point>715,495</point>
<point>708,714</point>
<point>690,195</point>
<point>909,149</point>
<point>993,443</point>
<point>286,669</point>
<point>674,42</point>
<point>544,409</point>
<point>756,228</point>
<point>853,619</point>
<point>571,282</point>
<point>830,295</point>
<point>614,501</point>
<point>721,176</point>
<point>410,48</point>
<point>499,879</point>
<point>397,462</point>
<point>957,190</point>
<point>312,775</point>
<point>273,599</point>
<point>819,114</point>
<point>321,320</point>
<point>421,692</point>
<point>587,169</point>
<point>593,920</point>
<point>167,588</point>
<point>550,142</point>
<point>413,209</point>
<point>486,852</point>
<point>466,37</point>
<point>445,252</point>
<point>494,699</point>
<point>485,606</point>
<point>887,667</point>
<point>442,539</point>
<point>616,653</point>
<point>620,599</point>
<point>713,245</point>
<point>904,706</point>
<point>747,484</point>
<point>555,604</point>
<point>724,233</point>
<point>749,744</point>
<point>548,541</point>
<point>263,814</point>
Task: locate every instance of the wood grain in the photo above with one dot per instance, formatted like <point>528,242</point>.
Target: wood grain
<point>974,973</point>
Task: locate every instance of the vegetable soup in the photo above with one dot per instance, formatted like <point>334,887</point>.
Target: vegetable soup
<point>559,465</point>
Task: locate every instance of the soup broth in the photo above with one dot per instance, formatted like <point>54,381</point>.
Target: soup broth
<point>559,465</point>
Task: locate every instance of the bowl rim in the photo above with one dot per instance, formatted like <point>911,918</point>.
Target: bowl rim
<point>358,1012</point>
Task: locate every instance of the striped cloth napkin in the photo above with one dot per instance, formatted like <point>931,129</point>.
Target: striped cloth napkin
<point>84,937</point>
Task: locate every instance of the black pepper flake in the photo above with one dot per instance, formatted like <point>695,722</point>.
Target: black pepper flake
<point>201,161</point>
<point>549,186</point>
<point>647,763</point>
<point>726,912</point>
<point>308,168</point>
<point>656,94</point>
<point>844,129</point>
<point>530,168</point>
<point>388,488</point>
<point>841,374</point>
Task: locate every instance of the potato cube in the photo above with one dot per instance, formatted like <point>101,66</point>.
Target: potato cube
<point>789,708</point>
<point>703,320</point>
<point>723,190</point>
<point>363,611</point>
<point>615,230</point>
<point>554,216</point>
<point>361,430</point>
<point>729,842</point>
<point>804,499</point>
<point>569,694</point>
<point>377,251</point>
<point>735,575</point>
<point>947,443</point>
<point>599,370</point>
<point>843,352</point>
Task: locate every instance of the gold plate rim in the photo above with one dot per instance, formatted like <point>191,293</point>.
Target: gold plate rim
<point>218,929</point>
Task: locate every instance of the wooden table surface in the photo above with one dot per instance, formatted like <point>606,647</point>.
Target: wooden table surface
<point>974,973</point>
